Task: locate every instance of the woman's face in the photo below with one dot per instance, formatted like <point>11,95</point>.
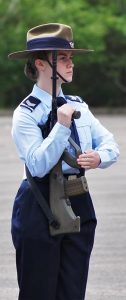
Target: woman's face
<point>64,65</point>
<point>64,68</point>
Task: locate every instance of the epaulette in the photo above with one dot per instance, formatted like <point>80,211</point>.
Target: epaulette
<point>31,103</point>
<point>74,98</point>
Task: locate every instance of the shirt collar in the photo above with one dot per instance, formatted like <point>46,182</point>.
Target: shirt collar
<point>45,97</point>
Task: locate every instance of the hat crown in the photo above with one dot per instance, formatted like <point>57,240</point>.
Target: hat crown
<point>50,37</point>
<point>51,30</point>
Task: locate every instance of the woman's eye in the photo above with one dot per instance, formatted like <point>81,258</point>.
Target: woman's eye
<point>63,57</point>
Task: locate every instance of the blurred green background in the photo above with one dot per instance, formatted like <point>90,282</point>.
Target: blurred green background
<point>100,77</point>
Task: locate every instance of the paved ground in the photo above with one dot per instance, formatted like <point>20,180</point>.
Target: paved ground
<point>107,276</point>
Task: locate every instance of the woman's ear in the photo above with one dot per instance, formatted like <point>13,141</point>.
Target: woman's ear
<point>40,64</point>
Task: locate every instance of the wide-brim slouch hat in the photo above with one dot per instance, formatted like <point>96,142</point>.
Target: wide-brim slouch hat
<point>51,36</point>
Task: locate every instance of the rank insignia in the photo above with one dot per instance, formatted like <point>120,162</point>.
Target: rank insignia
<point>31,103</point>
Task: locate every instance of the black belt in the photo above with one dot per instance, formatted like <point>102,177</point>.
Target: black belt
<point>66,175</point>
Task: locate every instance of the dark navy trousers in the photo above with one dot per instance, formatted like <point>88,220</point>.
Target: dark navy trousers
<point>51,268</point>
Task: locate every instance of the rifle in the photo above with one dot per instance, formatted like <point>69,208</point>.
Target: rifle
<point>60,187</point>
<point>60,215</point>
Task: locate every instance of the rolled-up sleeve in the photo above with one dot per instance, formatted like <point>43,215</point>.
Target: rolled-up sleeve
<point>103,142</point>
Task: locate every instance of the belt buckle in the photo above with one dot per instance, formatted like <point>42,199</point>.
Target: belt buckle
<point>72,177</point>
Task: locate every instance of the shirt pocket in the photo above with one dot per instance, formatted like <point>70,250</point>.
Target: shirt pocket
<point>84,133</point>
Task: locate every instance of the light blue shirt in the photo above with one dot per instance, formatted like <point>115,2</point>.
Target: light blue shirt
<point>40,155</point>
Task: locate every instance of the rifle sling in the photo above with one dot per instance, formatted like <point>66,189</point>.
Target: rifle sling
<point>41,200</point>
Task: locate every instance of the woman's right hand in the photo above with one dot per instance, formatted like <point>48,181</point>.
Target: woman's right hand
<point>64,114</point>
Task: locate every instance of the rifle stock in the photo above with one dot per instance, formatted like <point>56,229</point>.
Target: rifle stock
<point>60,204</point>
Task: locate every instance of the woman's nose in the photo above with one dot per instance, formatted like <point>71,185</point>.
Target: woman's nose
<point>70,63</point>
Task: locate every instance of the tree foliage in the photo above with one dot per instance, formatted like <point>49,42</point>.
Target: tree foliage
<point>99,77</point>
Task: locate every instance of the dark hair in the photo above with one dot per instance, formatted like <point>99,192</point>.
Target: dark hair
<point>30,69</point>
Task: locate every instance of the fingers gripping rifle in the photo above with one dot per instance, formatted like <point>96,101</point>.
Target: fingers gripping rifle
<point>59,198</point>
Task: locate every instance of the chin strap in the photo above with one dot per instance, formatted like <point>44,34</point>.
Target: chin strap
<point>56,71</point>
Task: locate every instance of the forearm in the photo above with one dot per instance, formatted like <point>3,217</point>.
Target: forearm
<point>45,157</point>
<point>40,155</point>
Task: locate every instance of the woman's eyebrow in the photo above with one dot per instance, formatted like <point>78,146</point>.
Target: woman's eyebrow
<point>62,53</point>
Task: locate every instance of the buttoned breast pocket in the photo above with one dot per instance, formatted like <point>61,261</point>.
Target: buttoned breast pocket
<point>84,133</point>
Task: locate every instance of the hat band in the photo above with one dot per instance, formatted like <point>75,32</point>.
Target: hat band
<point>51,42</point>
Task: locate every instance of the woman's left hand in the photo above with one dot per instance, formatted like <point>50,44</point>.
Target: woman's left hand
<point>89,159</point>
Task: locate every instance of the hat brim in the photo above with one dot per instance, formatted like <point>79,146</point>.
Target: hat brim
<point>27,53</point>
